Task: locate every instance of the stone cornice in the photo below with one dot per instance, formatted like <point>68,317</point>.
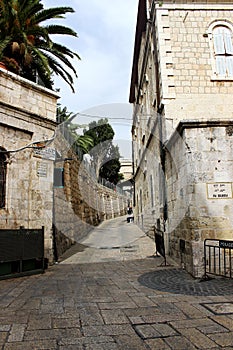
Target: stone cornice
<point>193,4</point>
<point>32,117</point>
<point>194,124</point>
<point>30,133</point>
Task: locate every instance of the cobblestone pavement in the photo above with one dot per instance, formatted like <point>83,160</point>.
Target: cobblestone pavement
<point>124,304</point>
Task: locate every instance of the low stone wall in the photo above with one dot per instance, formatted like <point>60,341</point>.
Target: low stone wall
<point>82,204</point>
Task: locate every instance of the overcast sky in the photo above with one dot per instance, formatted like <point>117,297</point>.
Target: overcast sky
<point>106,31</point>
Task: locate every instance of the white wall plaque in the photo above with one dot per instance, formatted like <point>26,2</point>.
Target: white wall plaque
<point>42,169</point>
<point>45,153</point>
<point>219,190</point>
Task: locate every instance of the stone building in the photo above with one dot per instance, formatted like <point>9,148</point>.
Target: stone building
<point>181,89</point>
<point>126,168</point>
<point>27,119</point>
<point>42,181</point>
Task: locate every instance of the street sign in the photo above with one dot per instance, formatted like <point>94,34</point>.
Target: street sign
<point>226,244</point>
<point>45,153</point>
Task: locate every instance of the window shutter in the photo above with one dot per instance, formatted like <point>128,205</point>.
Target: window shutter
<point>228,42</point>
<point>229,65</point>
<point>221,65</point>
<point>219,47</point>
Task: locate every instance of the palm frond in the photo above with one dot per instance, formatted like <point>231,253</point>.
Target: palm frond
<point>54,12</point>
<point>29,9</point>
<point>60,56</point>
<point>58,29</point>
<point>85,143</point>
<point>66,51</point>
<point>21,27</point>
<point>58,69</point>
<point>41,59</point>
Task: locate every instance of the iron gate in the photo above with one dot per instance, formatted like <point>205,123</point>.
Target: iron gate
<point>21,252</point>
<point>218,257</point>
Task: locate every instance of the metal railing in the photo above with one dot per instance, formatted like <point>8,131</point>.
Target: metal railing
<point>218,257</point>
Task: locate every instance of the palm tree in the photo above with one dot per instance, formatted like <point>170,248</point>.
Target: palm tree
<point>79,143</point>
<point>26,46</point>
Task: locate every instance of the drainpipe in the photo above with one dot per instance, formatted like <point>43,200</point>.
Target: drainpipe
<point>160,111</point>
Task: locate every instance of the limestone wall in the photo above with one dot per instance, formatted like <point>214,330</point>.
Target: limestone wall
<point>27,115</point>
<point>190,89</point>
<point>199,186</point>
<point>23,94</point>
<point>182,116</point>
<point>82,204</point>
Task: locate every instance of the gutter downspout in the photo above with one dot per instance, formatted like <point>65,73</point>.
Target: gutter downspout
<point>160,111</point>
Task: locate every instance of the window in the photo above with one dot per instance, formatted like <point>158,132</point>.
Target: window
<point>223,50</point>
<point>221,40</point>
<point>3,164</point>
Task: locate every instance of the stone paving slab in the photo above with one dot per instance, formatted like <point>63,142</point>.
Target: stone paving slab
<point>107,305</point>
<point>58,314</point>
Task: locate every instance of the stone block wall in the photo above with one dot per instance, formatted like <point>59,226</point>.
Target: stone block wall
<point>148,191</point>
<point>83,203</point>
<point>199,185</point>
<point>175,81</point>
<point>190,88</point>
<point>27,115</point>
<point>23,94</point>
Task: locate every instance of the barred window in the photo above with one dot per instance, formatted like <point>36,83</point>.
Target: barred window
<point>3,168</point>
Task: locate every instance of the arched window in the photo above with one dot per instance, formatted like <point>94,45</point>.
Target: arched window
<point>221,41</point>
<point>223,51</point>
<point>3,168</point>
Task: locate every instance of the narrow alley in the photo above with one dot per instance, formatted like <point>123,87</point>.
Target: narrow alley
<point>111,292</point>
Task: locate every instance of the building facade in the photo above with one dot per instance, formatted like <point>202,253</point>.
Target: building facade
<point>181,88</point>
<point>27,120</point>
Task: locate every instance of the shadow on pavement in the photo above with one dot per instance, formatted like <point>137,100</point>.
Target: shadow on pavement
<point>178,281</point>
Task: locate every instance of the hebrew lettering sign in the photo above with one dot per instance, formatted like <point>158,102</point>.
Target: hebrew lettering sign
<point>219,190</point>
<point>42,169</point>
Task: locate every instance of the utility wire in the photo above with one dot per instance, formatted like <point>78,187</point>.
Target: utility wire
<point>33,144</point>
<point>102,117</point>
<point>145,117</point>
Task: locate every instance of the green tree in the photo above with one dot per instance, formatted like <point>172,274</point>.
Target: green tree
<point>105,154</point>
<point>83,142</point>
<point>110,170</point>
<point>26,46</point>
